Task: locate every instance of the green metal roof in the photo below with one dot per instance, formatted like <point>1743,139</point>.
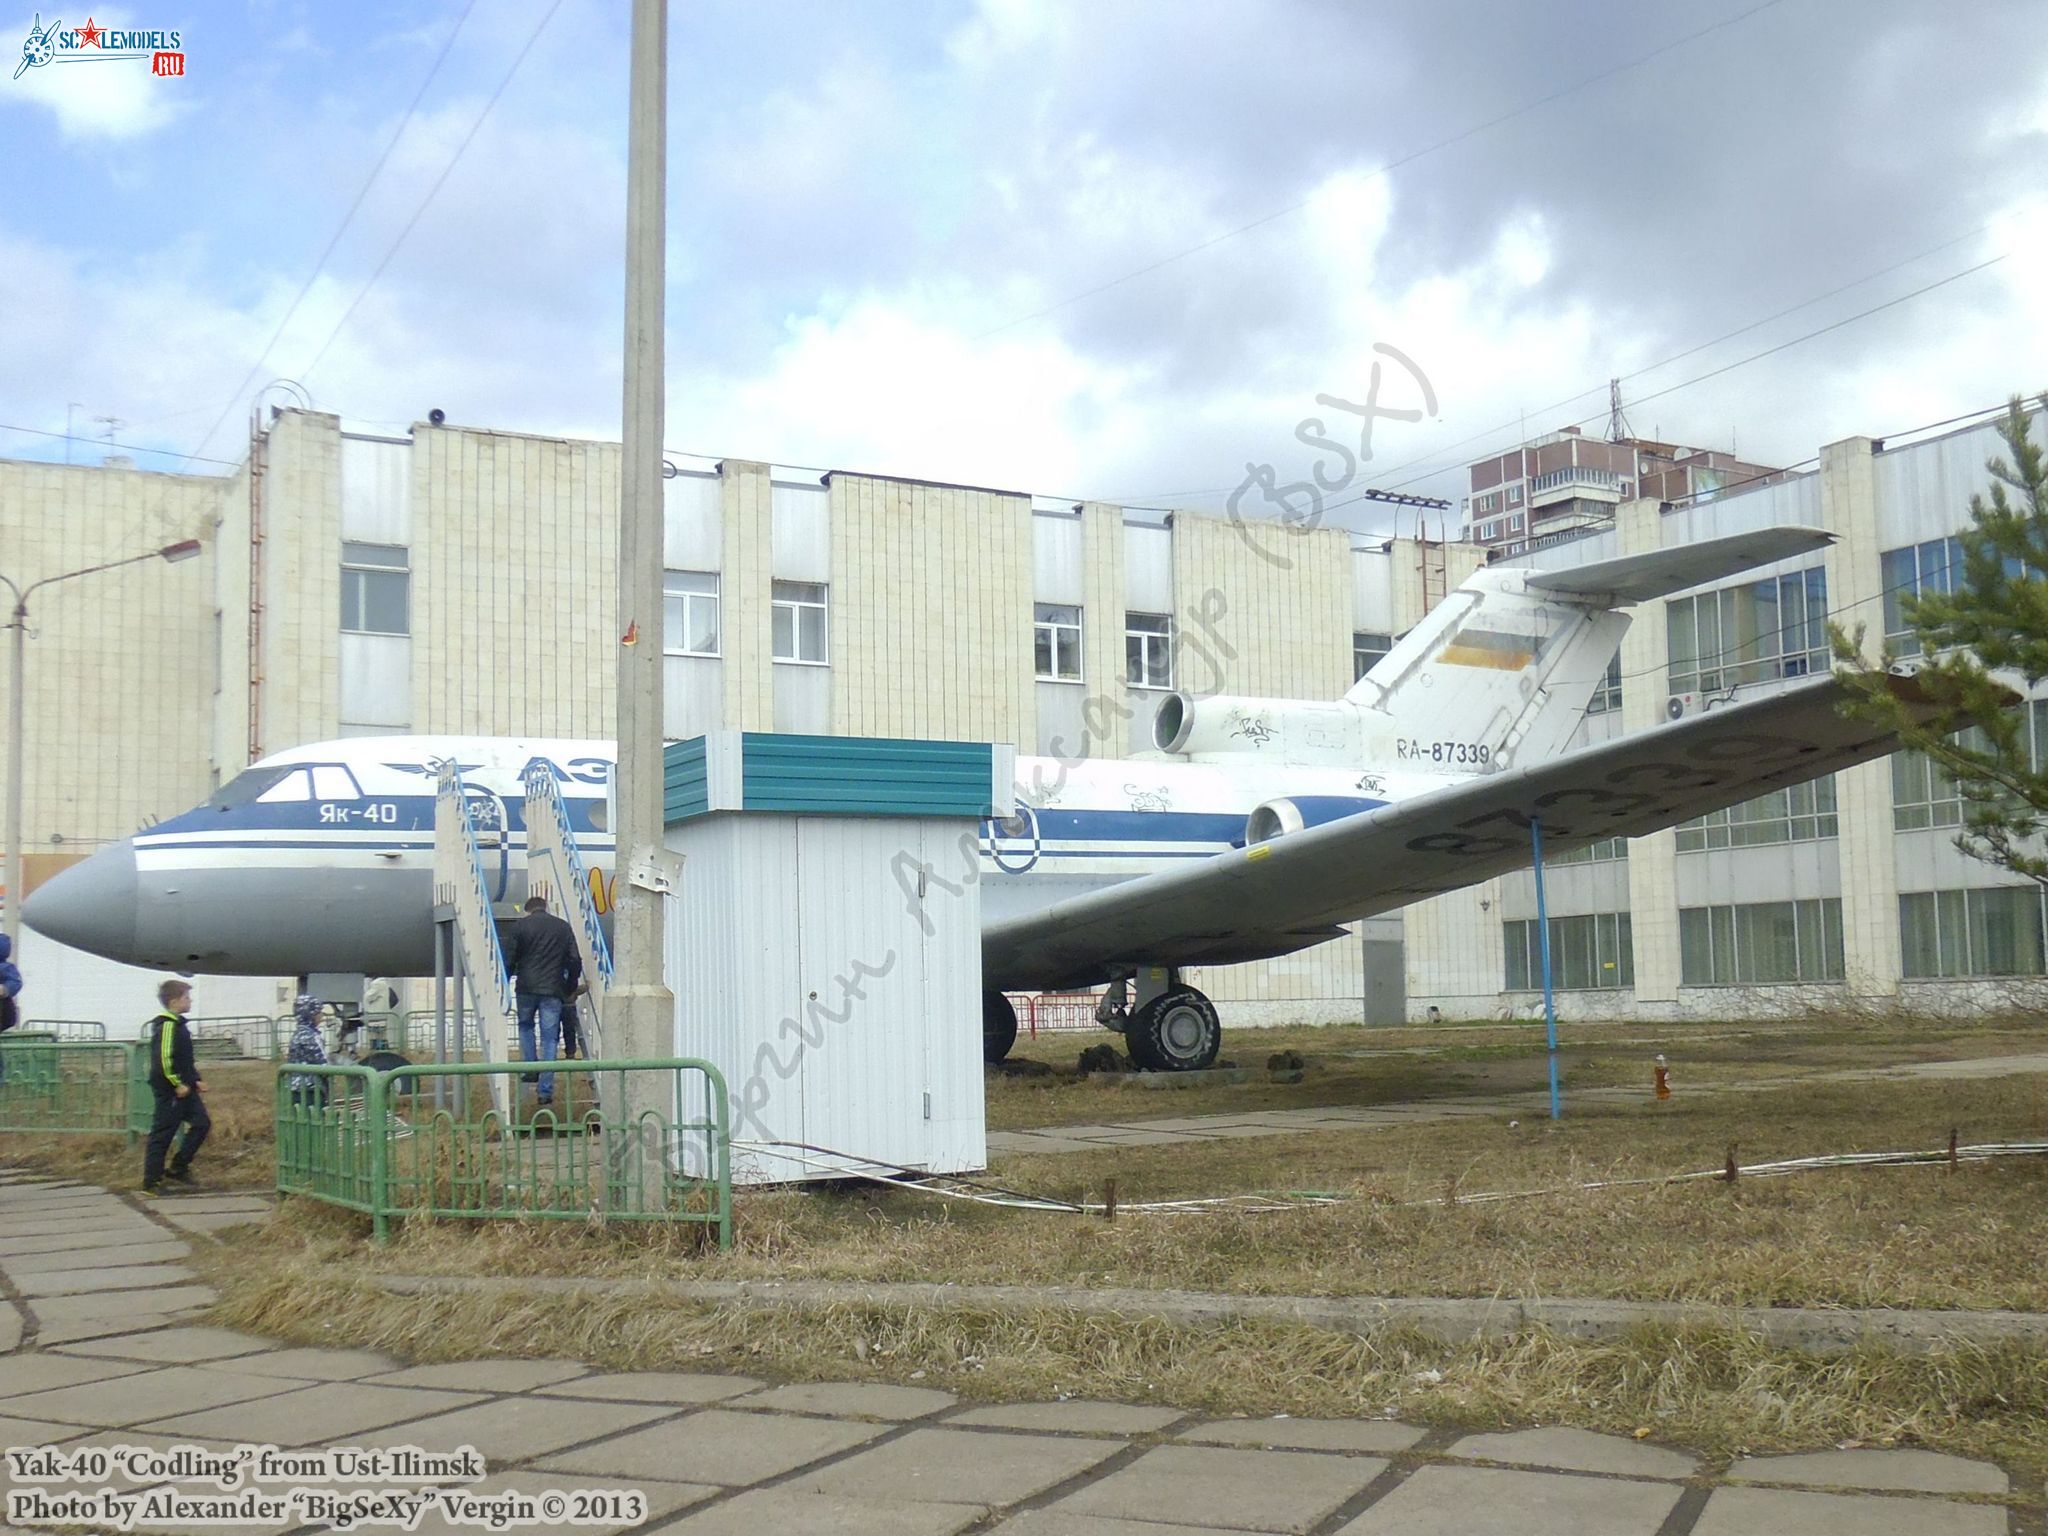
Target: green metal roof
<point>833,776</point>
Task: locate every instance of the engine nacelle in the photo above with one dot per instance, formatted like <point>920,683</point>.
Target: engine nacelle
<point>1277,818</point>
<point>1283,730</point>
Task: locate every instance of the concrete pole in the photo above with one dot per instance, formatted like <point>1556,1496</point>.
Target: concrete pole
<point>639,1016</point>
<point>15,755</point>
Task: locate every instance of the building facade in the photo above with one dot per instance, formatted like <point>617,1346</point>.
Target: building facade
<point>464,581</point>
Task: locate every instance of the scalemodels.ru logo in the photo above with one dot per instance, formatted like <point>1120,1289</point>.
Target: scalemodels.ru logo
<point>91,43</point>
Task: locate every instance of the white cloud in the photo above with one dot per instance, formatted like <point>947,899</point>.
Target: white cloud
<point>95,99</point>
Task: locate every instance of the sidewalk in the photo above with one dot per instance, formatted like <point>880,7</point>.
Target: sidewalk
<point>1167,1131</point>
<point>101,1350</point>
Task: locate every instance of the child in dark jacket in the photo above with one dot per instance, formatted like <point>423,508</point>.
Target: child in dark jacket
<point>174,1079</point>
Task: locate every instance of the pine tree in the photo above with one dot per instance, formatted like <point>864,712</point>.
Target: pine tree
<point>1983,638</point>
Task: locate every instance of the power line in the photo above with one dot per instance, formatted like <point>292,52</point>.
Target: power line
<point>106,442</point>
<point>412,108</point>
<point>439,181</point>
<point>1392,165</point>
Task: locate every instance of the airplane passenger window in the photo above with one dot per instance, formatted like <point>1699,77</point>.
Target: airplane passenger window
<point>296,784</point>
<point>331,781</point>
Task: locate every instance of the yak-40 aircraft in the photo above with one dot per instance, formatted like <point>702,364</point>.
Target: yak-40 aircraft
<point>1256,829</point>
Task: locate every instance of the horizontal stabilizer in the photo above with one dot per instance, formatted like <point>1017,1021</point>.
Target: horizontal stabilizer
<point>1659,572</point>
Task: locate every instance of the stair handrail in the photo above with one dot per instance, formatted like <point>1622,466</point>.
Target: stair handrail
<point>544,791</point>
<point>475,892</point>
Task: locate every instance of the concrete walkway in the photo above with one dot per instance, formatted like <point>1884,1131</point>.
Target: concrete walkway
<point>102,1352</point>
<point>1167,1131</point>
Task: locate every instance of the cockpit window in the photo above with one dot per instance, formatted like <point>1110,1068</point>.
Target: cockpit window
<point>246,787</point>
<point>295,784</point>
<point>331,781</point>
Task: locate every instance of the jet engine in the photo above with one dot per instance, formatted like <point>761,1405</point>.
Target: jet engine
<point>1277,818</point>
<point>1283,730</point>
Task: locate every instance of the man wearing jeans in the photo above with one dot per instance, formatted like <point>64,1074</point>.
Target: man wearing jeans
<point>537,954</point>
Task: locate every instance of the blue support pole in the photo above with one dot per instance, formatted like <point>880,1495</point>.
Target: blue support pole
<point>1543,941</point>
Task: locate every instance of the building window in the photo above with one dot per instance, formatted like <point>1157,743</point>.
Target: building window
<point>1604,851</point>
<point>1749,634</point>
<point>1923,794</point>
<point>1905,573</point>
<point>1515,499</point>
<point>1057,642</point>
<point>1148,650</point>
<point>689,613</point>
<point>1761,943</point>
<point>1366,650</point>
<point>1594,951</point>
<point>375,589</point>
<point>1990,932</point>
<point>799,619</point>
<point>1607,697</point>
<point>1797,814</point>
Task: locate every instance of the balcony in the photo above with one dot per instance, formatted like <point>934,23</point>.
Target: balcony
<point>1576,481</point>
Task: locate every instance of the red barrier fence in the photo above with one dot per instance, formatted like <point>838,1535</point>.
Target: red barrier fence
<point>1050,1012</point>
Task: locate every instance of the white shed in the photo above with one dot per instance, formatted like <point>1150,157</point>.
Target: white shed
<point>824,945</point>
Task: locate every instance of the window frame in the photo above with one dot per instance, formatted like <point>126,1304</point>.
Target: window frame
<point>1145,638</point>
<point>1736,938</point>
<point>1752,632</point>
<point>356,563</point>
<point>1582,945</point>
<point>783,598</point>
<point>1048,622</point>
<point>689,597</point>
<point>1361,650</point>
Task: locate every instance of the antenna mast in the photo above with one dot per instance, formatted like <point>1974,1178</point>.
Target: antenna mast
<point>1617,421</point>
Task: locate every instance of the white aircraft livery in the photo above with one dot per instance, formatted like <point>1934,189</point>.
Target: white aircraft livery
<point>1256,828</point>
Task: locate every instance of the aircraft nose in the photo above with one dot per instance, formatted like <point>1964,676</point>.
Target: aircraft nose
<point>92,905</point>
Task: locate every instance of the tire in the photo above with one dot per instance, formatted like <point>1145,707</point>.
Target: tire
<point>998,1026</point>
<point>1178,1031</point>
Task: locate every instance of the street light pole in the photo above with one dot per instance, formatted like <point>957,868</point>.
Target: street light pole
<point>184,549</point>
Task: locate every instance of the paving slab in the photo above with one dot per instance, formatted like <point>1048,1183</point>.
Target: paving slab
<point>119,1222</point>
<point>1355,1435</point>
<point>99,1329</point>
<point>177,1344</point>
<point>484,1375</point>
<point>961,1466</point>
<point>12,1327</point>
<point>1064,1522</point>
<point>1077,1417</point>
<point>210,1221</point>
<point>793,1510</point>
<point>715,1446</point>
<point>42,1372</point>
<point>125,1400</point>
<point>18,1433</point>
<point>1577,1450</point>
<point>1897,1471</point>
<point>116,1304</point>
<point>168,1251</point>
<point>1781,1512</point>
<point>679,1387</point>
<point>851,1400</point>
<point>297,1415</point>
<point>1483,1501</point>
<point>316,1364</point>
<point>520,1428</point>
<point>1236,1490</point>
<point>92,1280</point>
<point>14,1246</point>
<point>663,1500</point>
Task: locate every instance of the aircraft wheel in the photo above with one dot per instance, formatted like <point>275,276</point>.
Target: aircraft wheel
<point>1178,1031</point>
<point>998,1026</point>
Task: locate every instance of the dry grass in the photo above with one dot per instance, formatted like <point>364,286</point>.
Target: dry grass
<point>1715,1390</point>
<point>238,1153</point>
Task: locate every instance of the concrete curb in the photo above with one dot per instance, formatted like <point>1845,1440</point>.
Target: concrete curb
<point>1818,1330</point>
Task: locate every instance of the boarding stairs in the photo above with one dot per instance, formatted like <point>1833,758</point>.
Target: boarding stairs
<point>463,901</point>
<point>555,868</point>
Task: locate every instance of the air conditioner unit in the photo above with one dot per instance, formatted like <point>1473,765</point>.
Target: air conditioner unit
<point>1679,705</point>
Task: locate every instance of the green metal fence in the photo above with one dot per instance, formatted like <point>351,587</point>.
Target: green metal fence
<point>240,1034</point>
<point>429,1140</point>
<point>74,1087</point>
<point>71,1029</point>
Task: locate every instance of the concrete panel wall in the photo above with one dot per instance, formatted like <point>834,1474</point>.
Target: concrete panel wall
<point>297,697</point>
<point>1277,612</point>
<point>745,588</point>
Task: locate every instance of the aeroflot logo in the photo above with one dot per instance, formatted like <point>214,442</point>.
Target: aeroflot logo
<point>162,50</point>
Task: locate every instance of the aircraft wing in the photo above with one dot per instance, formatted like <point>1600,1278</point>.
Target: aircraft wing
<point>1285,894</point>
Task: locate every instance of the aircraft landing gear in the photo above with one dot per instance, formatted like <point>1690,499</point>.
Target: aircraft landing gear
<point>1173,1027</point>
<point>998,1026</point>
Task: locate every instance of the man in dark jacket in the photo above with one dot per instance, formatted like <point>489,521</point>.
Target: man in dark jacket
<point>174,1079</point>
<point>537,954</point>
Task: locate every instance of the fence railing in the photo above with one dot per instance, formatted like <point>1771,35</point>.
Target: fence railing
<point>70,1029</point>
<point>1050,1012</point>
<point>374,1142</point>
<point>240,1034</point>
<point>74,1087</point>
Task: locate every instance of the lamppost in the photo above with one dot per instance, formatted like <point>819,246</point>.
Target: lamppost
<point>184,549</point>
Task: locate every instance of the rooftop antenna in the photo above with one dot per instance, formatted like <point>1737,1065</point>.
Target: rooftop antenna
<point>1617,419</point>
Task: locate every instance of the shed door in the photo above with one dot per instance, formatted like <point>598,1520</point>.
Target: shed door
<point>860,987</point>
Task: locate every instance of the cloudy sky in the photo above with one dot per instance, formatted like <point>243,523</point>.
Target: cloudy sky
<point>1111,249</point>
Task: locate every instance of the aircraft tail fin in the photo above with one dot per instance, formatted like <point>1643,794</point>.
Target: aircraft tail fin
<point>1502,671</point>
